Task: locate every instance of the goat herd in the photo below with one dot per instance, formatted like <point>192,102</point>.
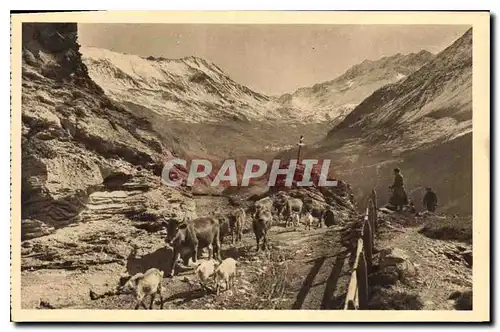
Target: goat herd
<point>192,236</point>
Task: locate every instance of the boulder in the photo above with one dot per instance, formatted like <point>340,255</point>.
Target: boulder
<point>392,256</point>
<point>386,276</point>
<point>395,259</point>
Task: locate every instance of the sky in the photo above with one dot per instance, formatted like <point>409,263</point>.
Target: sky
<point>272,59</point>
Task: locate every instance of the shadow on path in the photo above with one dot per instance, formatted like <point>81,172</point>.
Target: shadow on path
<point>307,284</point>
<point>187,296</point>
<point>331,283</point>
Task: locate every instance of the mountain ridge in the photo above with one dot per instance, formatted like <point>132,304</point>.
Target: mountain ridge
<point>426,55</point>
<point>176,87</point>
<point>193,89</point>
<point>437,98</point>
<point>334,99</point>
<point>421,124</point>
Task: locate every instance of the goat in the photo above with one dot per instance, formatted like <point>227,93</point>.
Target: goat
<point>225,271</point>
<point>205,270</point>
<point>144,284</point>
<point>308,220</point>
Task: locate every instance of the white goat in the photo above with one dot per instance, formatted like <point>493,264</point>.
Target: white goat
<point>308,220</point>
<point>205,270</point>
<point>225,271</point>
<point>144,284</point>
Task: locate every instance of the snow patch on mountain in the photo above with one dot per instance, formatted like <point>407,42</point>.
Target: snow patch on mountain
<point>194,90</point>
<point>332,100</point>
<point>188,89</point>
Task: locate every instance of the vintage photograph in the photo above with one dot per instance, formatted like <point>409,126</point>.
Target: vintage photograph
<point>321,164</point>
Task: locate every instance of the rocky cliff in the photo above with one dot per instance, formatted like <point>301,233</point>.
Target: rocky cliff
<point>83,156</point>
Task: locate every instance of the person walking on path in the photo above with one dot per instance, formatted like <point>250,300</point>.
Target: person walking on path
<point>430,200</point>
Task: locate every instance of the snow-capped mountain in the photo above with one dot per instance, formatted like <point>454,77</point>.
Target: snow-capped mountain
<point>333,100</point>
<point>194,90</point>
<point>433,103</point>
<point>195,105</point>
<point>421,124</point>
<point>190,89</point>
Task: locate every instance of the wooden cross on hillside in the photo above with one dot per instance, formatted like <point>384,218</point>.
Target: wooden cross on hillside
<point>300,144</point>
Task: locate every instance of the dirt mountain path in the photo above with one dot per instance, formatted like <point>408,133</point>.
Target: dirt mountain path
<point>441,265</point>
<point>304,269</point>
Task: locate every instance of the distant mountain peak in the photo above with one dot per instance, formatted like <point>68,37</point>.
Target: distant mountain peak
<point>434,102</point>
<point>425,53</point>
<point>333,100</point>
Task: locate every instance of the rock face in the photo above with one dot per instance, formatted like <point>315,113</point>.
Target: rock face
<point>83,156</point>
<point>53,49</point>
<point>34,228</point>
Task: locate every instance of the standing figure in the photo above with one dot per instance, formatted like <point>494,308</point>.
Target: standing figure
<point>399,197</point>
<point>300,144</point>
<point>430,200</point>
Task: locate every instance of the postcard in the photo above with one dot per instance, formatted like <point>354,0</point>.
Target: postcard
<point>241,166</point>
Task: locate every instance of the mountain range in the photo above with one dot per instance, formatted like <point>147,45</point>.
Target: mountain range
<point>377,114</point>
<point>194,90</point>
<point>433,103</point>
<point>93,117</point>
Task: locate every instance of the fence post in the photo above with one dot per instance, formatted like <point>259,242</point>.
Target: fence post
<point>368,245</point>
<point>362,277</point>
<point>371,219</point>
<point>363,265</point>
<point>375,219</point>
<point>374,198</point>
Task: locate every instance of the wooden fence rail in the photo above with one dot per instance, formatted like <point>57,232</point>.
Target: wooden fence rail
<point>358,292</point>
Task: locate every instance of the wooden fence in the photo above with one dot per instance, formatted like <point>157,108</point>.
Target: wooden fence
<point>357,292</point>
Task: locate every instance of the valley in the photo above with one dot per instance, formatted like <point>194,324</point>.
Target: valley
<point>98,127</point>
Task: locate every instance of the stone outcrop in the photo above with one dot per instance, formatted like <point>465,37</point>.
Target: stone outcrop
<point>84,157</point>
